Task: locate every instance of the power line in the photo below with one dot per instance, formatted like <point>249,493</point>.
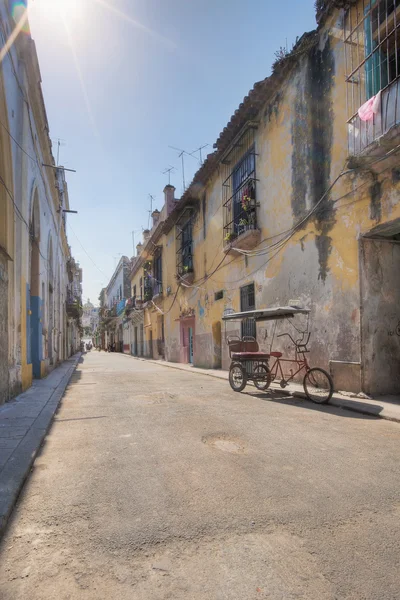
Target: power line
<point>87,254</point>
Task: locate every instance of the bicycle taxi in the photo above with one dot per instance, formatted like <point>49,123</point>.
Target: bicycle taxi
<point>262,368</point>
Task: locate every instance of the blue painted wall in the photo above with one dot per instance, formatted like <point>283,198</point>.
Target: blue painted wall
<point>28,325</point>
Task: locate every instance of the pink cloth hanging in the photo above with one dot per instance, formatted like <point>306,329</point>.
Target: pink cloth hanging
<point>367,111</point>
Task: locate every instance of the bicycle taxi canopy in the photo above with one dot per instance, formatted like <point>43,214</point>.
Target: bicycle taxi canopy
<point>266,314</point>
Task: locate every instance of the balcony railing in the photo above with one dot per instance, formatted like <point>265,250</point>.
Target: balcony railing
<point>120,306</point>
<point>363,133</point>
<point>240,217</point>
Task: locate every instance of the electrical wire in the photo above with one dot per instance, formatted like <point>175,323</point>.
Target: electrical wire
<point>87,254</point>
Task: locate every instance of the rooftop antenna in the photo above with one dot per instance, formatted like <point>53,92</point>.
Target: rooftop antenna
<point>169,171</point>
<point>200,153</point>
<point>181,156</point>
<point>115,260</point>
<point>60,143</point>
<point>152,199</point>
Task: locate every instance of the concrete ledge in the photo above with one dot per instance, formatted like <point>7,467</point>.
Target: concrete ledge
<point>13,421</point>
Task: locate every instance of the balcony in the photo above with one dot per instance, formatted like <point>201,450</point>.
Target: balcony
<point>381,134</point>
<point>240,218</point>
<point>73,308</point>
<point>120,307</point>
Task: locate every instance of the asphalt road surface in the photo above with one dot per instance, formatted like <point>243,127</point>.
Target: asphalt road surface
<point>156,484</point>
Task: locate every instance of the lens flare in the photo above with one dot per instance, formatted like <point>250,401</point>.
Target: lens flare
<point>19,13</point>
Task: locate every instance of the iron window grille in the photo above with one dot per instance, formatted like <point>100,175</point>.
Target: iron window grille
<point>239,186</point>
<point>148,289</point>
<point>184,255</point>
<point>248,302</point>
<point>157,272</point>
<point>372,54</point>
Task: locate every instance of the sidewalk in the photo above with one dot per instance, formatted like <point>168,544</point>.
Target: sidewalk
<point>24,423</point>
<point>385,407</point>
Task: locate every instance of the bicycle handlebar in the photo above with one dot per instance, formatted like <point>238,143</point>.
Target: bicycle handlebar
<point>288,334</point>
<point>299,343</point>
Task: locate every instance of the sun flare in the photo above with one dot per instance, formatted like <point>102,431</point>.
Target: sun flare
<point>54,9</point>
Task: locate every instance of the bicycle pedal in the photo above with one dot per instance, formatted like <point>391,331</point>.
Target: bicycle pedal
<point>283,384</point>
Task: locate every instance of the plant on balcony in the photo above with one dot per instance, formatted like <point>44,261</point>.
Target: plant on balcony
<point>147,267</point>
<point>230,236</point>
<point>246,201</point>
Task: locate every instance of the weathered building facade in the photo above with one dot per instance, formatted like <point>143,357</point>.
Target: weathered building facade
<point>299,203</point>
<point>33,200</point>
<point>112,305</point>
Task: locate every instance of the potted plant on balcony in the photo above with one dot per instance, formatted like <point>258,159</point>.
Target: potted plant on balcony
<point>243,225</point>
<point>230,236</point>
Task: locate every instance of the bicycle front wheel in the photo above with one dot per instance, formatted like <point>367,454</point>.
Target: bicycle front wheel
<point>318,386</point>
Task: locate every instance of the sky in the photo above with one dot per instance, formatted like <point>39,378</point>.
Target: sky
<point>125,79</point>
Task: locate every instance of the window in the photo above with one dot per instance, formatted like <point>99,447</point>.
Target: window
<point>141,288</point>
<point>134,291</point>
<point>185,249</point>
<point>248,302</point>
<point>157,273</point>
<point>239,187</point>
<point>372,49</point>
<point>203,210</point>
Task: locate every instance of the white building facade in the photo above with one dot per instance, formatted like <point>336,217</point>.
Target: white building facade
<point>33,244</point>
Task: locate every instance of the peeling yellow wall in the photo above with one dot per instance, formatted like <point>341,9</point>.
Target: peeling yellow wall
<point>301,146</point>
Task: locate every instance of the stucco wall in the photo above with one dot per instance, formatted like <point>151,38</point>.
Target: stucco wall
<point>313,213</point>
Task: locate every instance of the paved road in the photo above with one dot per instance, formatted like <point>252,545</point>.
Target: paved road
<point>159,484</point>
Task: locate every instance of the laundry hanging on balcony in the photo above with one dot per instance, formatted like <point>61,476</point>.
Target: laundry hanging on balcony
<point>370,108</point>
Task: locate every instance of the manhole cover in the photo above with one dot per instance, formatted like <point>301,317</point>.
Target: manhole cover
<point>225,443</point>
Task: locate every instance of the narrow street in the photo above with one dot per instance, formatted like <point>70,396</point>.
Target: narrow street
<point>157,484</point>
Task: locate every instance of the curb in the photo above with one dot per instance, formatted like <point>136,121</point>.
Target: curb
<point>372,410</point>
<point>18,467</point>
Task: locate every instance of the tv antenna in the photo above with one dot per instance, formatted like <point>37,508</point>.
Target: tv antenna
<point>152,199</point>
<point>133,240</point>
<point>181,156</point>
<point>169,171</point>
<point>200,153</point>
<point>60,143</point>
<point>115,260</point>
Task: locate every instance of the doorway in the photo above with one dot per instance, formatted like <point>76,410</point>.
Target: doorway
<point>35,304</point>
<point>380,314</point>
<point>190,344</point>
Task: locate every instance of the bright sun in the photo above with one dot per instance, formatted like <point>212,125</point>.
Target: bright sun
<point>54,9</point>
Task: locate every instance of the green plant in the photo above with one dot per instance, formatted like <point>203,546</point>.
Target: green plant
<point>243,222</point>
<point>230,236</point>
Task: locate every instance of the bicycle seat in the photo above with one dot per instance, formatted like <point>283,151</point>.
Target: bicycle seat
<point>276,354</point>
<point>250,356</point>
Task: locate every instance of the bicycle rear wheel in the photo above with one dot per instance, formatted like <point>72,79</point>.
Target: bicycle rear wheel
<point>318,385</point>
<point>237,377</point>
<point>262,377</point>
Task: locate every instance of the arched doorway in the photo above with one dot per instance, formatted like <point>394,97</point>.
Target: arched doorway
<point>35,304</point>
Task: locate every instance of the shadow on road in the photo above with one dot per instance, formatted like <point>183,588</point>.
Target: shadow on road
<point>338,411</point>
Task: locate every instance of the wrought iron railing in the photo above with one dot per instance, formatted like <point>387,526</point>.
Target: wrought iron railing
<point>184,258</point>
<point>372,54</point>
<point>240,210</point>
